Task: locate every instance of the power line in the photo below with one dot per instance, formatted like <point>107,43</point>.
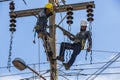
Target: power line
<point>104,67</point>
<point>28,64</point>
<point>4,0</point>
<point>26,73</point>
<point>67,74</point>
<point>105,51</point>
<point>117,67</point>
<point>93,63</point>
<point>61,64</point>
<point>73,74</point>
<point>46,71</point>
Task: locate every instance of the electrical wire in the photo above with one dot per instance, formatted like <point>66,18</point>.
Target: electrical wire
<point>63,74</point>
<point>84,64</point>
<point>67,74</point>
<point>24,2</point>
<point>104,67</point>
<point>73,74</point>
<point>61,64</point>
<point>93,63</point>
<point>82,69</point>
<point>4,0</point>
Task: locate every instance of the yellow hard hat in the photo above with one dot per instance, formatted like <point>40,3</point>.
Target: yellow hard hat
<point>49,6</point>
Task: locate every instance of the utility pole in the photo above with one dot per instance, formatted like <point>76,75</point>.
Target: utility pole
<point>60,8</point>
<point>53,63</point>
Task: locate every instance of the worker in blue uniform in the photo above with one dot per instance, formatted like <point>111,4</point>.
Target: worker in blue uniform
<point>77,45</point>
<point>41,26</point>
<point>42,20</point>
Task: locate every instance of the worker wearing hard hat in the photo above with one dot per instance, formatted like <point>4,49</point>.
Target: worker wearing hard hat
<point>41,25</point>
<point>42,19</point>
<point>77,45</point>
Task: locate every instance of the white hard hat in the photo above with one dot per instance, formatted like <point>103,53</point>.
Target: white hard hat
<point>83,23</point>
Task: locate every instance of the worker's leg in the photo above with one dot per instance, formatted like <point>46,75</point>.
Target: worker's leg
<point>76,51</point>
<point>47,48</point>
<point>47,39</point>
<point>63,47</point>
<point>46,43</point>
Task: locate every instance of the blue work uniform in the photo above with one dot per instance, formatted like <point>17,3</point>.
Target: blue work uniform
<point>42,21</point>
<point>76,46</point>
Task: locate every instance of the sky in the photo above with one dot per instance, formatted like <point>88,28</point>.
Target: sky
<point>105,36</point>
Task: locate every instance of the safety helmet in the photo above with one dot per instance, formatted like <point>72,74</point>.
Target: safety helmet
<point>49,6</point>
<point>84,23</point>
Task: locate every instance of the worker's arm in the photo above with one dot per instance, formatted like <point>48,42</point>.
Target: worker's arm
<point>71,37</point>
<point>67,33</point>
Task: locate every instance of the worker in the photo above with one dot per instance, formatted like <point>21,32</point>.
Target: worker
<point>41,26</point>
<point>77,45</point>
<point>43,15</point>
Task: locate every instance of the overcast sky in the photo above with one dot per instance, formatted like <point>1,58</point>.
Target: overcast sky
<point>105,36</point>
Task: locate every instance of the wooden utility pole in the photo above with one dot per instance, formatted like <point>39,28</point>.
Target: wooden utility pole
<point>53,63</point>
<point>60,8</point>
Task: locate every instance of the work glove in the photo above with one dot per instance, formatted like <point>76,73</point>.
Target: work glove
<point>88,49</point>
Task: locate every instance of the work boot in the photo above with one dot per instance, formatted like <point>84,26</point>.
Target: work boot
<point>60,58</point>
<point>66,66</point>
